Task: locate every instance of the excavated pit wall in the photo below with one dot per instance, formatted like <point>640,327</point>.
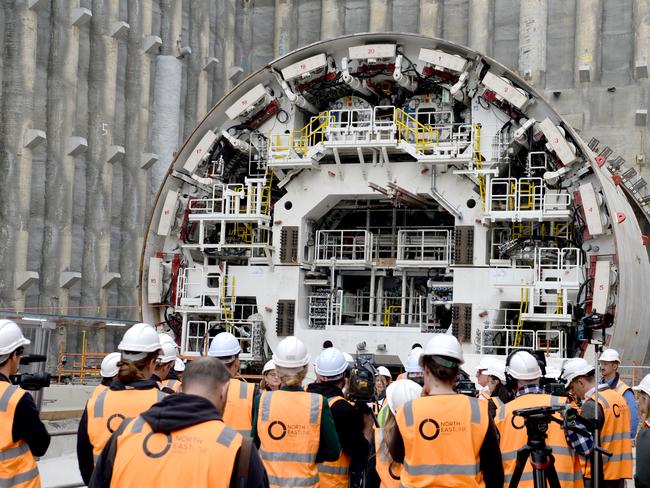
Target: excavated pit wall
<point>72,217</point>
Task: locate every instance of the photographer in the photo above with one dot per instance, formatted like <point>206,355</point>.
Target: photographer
<point>523,376</point>
<point>23,435</point>
<point>613,423</point>
<point>349,421</point>
<point>446,439</point>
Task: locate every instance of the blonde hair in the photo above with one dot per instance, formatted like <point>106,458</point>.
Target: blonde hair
<point>291,376</point>
<point>390,423</point>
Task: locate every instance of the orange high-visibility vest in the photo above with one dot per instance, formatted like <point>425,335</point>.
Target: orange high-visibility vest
<point>443,435</point>
<point>514,437</point>
<point>109,408</point>
<point>172,385</point>
<point>288,426</point>
<point>622,387</point>
<point>387,469</point>
<point>17,464</point>
<point>614,436</point>
<point>201,455</point>
<point>335,474</point>
<point>238,413</point>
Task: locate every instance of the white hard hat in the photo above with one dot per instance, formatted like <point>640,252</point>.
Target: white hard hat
<point>168,352</point>
<point>224,346</point>
<point>269,366</point>
<point>383,371</point>
<point>164,338</point>
<point>644,386</point>
<point>523,366</point>
<point>140,338</point>
<point>11,337</point>
<point>331,363</point>
<point>349,359</point>
<point>484,363</point>
<point>179,365</point>
<point>109,365</point>
<point>497,368</point>
<point>552,373</point>
<point>574,368</point>
<point>412,364</point>
<point>291,353</point>
<point>610,355</point>
<point>444,345</point>
<point>401,391</point>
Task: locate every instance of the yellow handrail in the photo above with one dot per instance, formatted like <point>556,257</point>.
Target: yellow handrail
<point>410,130</point>
<point>388,313</point>
<point>523,308</point>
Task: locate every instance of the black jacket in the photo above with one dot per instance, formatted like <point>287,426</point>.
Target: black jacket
<point>173,413</point>
<point>84,446</point>
<point>348,421</point>
<point>27,425</point>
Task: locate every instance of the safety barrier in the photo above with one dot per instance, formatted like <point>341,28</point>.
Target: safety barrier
<point>517,198</point>
<point>251,199</point>
<point>198,333</point>
<point>79,366</point>
<point>502,340</point>
<point>378,126</point>
<point>343,246</point>
<point>199,288</point>
<point>425,247</point>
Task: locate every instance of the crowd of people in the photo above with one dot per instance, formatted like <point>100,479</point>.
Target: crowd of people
<point>156,421</point>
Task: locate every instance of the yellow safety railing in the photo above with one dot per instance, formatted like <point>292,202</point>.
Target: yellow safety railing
<point>411,131</point>
<point>522,229</point>
<point>299,141</point>
<point>388,313</point>
<point>526,189</point>
<point>478,162</point>
<point>523,308</point>
<point>228,301</point>
<point>559,303</point>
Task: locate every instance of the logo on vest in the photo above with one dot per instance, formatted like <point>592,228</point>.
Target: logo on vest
<point>518,427</point>
<point>617,410</point>
<point>156,455</point>
<point>429,432</point>
<point>110,424</point>
<point>273,432</point>
<point>393,474</point>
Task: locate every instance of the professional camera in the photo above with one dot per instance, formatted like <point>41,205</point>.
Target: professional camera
<point>32,382</point>
<point>362,382</point>
<point>464,385</point>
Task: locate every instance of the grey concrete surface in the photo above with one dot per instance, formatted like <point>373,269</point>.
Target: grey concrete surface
<point>71,224</point>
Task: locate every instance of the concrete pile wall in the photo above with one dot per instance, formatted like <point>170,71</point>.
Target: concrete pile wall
<point>97,95</point>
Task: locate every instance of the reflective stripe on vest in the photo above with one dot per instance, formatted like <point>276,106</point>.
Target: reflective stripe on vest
<point>387,469</point>
<point>429,427</point>
<point>614,436</point>
<point>17,464</point>
<point>203,454</point>
<point>514,437</point>
<point>110,408</point>
<point>174,385</point>
<point>238,413</point>
<point>289,431</point>
<point>335,474</point>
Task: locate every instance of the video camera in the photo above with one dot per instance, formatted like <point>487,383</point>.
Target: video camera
<point>537,420</point>
<point>464,385</point>
<point>362,382</point>
<point>32,381</point>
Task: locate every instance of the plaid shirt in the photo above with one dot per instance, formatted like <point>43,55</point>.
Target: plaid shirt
<point>582,445</point>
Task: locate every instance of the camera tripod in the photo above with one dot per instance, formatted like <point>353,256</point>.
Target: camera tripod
<point>542,461</point>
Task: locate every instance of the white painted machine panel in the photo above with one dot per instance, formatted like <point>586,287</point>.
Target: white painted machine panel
<point>591,209</point>
<point>167,214</point>
<point>245,103</point>
<point>442,59</point>
<point>601,287</point>
<point>372,51</point>
<point>505,90</point>
<point>557,142</point>
<point>304,67</point>
<point>154,288</point>
<point>200,152</point>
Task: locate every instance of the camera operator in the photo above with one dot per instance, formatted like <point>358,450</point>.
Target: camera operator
<point>23,435</point>
<point>613,422</point>
<point>443,438</point>
<point>353,431</point>
<point>523,375</point>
